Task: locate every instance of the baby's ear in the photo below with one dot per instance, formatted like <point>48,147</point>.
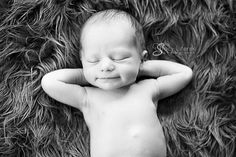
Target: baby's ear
<point>144,55</point>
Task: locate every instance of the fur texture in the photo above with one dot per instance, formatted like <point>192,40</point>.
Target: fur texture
<point>38,36</point>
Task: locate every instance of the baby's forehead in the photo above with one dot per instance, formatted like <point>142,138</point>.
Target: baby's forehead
<point>121,25</point>
<point>110,18</point>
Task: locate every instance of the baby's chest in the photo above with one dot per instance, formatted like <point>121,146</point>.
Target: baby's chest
<point>121,113</point>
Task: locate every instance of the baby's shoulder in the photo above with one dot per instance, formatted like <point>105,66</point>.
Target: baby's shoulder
<point>147,87</point>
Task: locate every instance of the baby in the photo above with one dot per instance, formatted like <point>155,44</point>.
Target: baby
<point>119,111</point>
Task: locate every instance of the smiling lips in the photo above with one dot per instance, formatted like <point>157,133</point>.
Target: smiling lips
<point>107,78</point>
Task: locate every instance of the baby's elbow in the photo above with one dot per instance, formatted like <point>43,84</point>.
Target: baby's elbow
<point>188,74</point>
<point>46,82</point>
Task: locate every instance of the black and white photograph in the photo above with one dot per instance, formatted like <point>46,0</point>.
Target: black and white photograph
<point>117,78</point>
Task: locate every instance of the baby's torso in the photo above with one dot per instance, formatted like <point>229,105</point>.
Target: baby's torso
<point>125,125</point>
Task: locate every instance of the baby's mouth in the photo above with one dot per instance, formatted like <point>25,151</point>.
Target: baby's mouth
<point>108,78</point>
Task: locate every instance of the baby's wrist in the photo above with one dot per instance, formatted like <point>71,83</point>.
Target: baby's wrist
<point>142,69</point>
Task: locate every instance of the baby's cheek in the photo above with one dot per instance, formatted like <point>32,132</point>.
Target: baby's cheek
<point>132,75</point>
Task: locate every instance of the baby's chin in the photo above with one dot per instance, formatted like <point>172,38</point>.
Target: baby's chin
<point>113,87</point>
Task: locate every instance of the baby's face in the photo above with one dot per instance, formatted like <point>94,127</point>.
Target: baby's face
<point>109,55</point>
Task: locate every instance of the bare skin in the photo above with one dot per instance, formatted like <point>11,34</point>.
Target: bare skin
<point>130,116</point>
<point>120,112</point>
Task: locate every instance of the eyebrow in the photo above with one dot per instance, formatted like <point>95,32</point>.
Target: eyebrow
<point>118,50</point>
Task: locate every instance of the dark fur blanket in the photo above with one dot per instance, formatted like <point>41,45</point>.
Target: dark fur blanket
<point>38,36</point>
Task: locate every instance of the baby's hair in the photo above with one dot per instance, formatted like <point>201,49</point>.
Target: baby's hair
<point>113,14</point>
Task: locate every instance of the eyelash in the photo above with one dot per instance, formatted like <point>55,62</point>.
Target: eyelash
<point>114,59</point>
<point>96,61</point>
<point>119,59</point>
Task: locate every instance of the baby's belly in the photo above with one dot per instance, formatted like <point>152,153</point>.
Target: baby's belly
<point>142,137</point>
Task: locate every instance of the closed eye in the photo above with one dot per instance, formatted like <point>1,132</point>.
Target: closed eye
<point>120,59</point>
<point>93,61</point>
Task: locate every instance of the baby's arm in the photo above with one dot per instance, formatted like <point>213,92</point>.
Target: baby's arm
<point>171,76</point>
<point>64,86</point>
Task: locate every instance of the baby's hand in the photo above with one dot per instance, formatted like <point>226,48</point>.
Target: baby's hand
<point>146,69</point>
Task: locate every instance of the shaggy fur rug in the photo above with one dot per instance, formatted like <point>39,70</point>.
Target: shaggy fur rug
<point>38,36</point>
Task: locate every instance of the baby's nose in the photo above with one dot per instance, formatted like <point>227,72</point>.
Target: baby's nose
<point>107,65</point>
